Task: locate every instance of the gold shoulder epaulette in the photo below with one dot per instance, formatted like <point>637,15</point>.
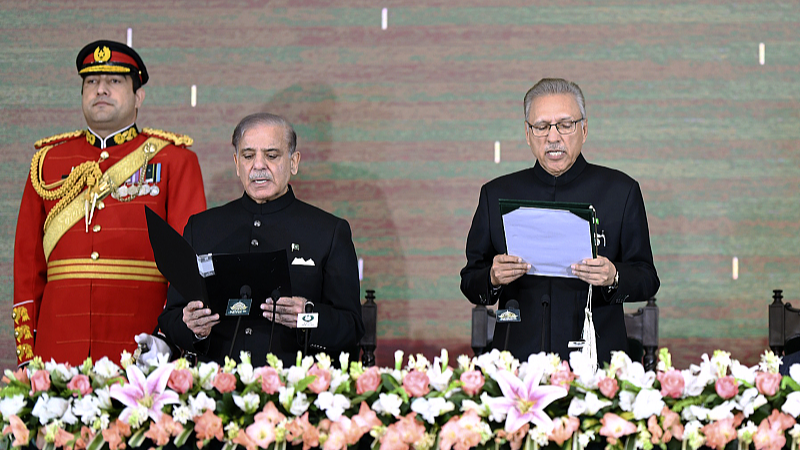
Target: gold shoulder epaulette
<point>52,140</point>
<point>177,139</point>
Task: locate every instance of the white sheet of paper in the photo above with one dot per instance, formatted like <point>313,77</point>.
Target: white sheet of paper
<point>549,239</point>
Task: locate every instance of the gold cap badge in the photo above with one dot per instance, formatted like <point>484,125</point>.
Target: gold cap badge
<point>102,54</point>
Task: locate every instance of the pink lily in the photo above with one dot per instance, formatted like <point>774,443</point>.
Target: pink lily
<point>147,392</point>
<point>524,401</point>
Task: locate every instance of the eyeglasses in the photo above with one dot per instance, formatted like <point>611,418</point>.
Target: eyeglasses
<point>564,128</point>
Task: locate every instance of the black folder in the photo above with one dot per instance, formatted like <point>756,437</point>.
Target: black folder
<point>224,277</point>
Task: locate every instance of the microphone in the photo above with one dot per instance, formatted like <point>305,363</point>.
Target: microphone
<point>276,294</point>
<point>545,316</point>
<point>508,315</point>
<point>244,292</point>
<point>307,308</point>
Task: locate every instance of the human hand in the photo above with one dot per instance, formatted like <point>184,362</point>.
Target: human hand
<point>199,318</point>
<point>597,272</point>
<point>286,310</point>
<point>507,268</point>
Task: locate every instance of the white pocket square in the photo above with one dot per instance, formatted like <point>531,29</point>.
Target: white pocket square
<point>303,262</point>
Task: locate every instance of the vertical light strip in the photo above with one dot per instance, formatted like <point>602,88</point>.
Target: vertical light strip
<point>129,40</point>
<point>194,95</point>
<point>735,268</point>
<point>384,18</point>
<point>761,53</point>
<point>497,152</point>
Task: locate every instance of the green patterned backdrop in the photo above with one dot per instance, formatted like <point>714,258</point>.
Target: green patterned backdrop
<point>397,130</point>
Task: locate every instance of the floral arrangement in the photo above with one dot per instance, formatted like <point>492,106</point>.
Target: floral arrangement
<point>490,401</point>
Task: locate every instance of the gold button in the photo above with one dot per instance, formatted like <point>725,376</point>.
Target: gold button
<point>95,256</point>
<point>14,315</point>
<point>104,155</point>
<point>16,333</point>
<point>101,205</point>
<point>96,228</point>
<point>19,351</point>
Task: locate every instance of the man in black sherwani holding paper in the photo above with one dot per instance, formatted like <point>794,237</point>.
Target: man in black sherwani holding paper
<point>322,259</point>
<point>552,308</point>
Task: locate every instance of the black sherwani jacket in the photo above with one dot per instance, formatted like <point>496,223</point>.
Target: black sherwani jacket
<point>305,231</point>
<point>618,201</point>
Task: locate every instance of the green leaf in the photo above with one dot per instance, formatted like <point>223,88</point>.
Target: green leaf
<point>96,443</point>
<point>49,446</point>
<point>626,385</point>
<point>630,443</point>
<point>303,384</point>
<point>136,440</point>
<point>344,387</point>
<point>678,407</point>
<point>360,398</point>
<point>789,381</point>
<point>181,439</point>
<point>389,382</point>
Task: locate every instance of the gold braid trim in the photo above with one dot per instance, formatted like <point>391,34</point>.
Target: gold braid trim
<point>177,139</point>
<point>85,174</point>
<point>59,137</point>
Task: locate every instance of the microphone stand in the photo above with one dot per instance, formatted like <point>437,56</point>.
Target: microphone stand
<point>276,294</point>
<point>545,321</point>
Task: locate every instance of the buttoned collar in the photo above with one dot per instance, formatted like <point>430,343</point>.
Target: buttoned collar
<point>568,176</point>
<point>120,137</point>
<point>271,207</point>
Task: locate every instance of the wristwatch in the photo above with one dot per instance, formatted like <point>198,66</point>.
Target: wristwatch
<point>614,286</point>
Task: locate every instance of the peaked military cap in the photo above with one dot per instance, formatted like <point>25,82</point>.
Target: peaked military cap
<point>110,57</point>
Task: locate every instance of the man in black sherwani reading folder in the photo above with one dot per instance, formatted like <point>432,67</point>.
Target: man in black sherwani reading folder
<point>556,126</point>
<point>322,261</point>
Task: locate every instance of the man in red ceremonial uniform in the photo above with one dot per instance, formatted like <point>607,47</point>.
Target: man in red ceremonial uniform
<point>85,282</point>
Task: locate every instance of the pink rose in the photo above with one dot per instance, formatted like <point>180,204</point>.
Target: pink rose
<point>768,383</point>
<point>225,382</point>
<point>80,383</point>
<point>563,376</point>
<point>416,383</point>
<point>608,387</point>
<point>473,381</point>
<point>180,381</point>
<point>40,381</point>
<point>322,382</point>
<point>672,383</point>
<point>270,379</point>
<point>368,381</point>
<point>726,387</point>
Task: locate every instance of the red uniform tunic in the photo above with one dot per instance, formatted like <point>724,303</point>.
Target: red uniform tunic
<point>100,288</point>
